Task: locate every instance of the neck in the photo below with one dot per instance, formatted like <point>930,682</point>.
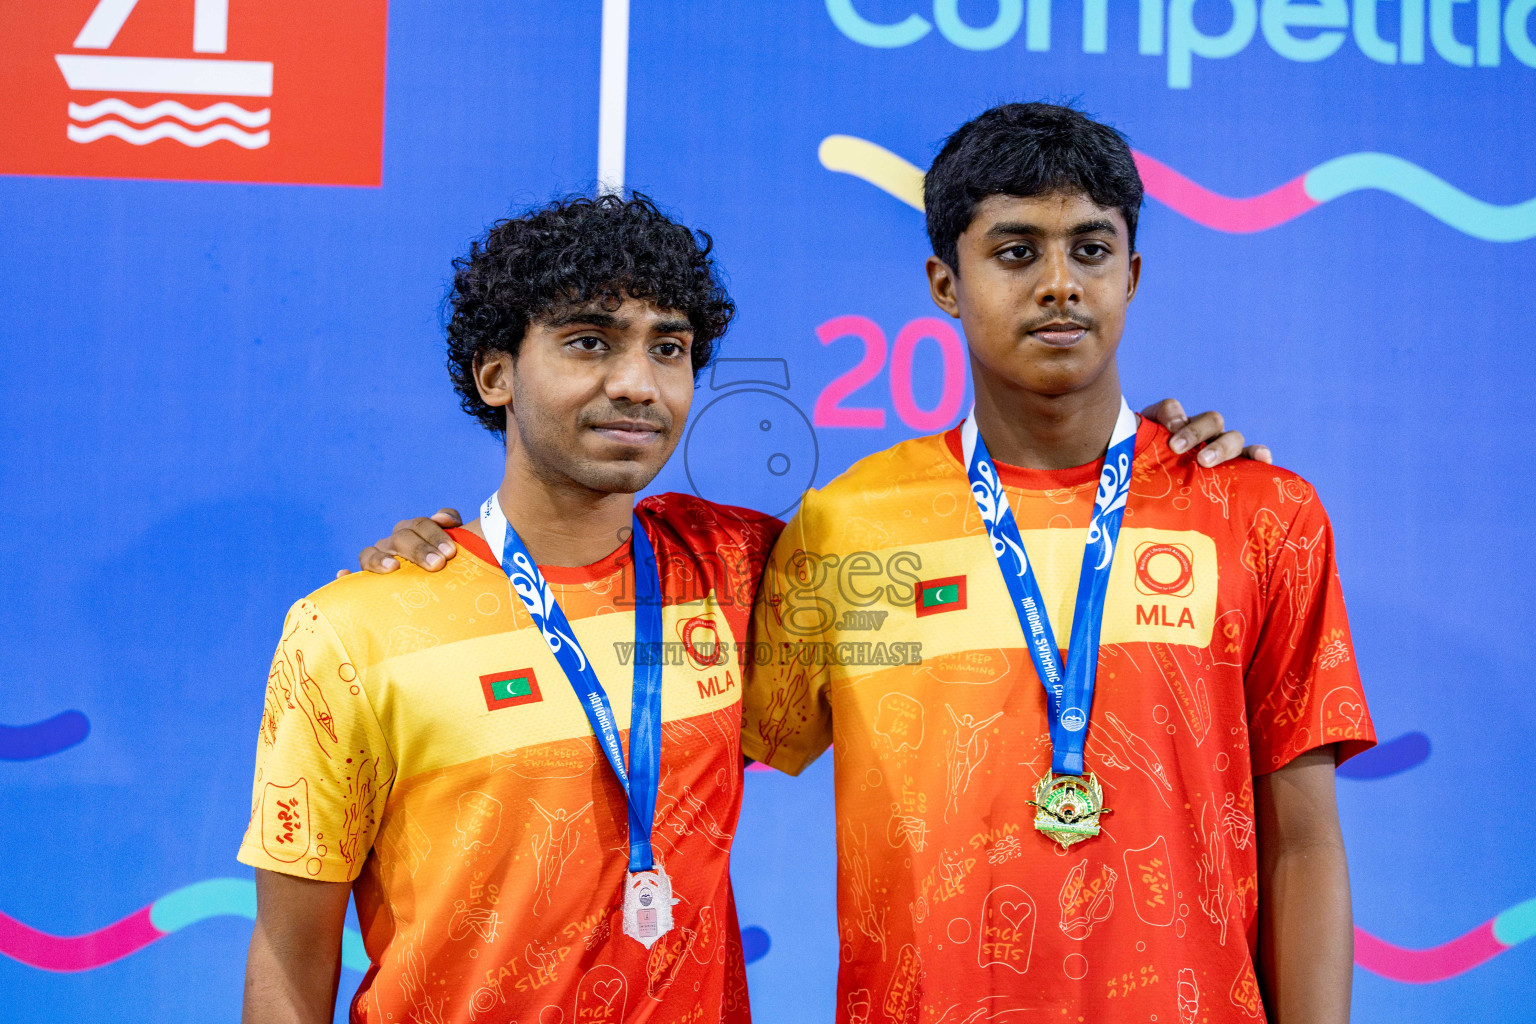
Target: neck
<point>1035,431</point>
<point>561,522</point>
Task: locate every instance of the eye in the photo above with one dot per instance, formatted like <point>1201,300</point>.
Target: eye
<point>1094,250</point>
<point>1016,253</point>
<point>670,349</point>
<point>587,343</point>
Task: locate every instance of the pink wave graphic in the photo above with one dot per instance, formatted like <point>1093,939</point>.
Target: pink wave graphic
<point>1423,966</point>
<point>77,952</point>
<point>1223,213</point>
<point>178,909</point>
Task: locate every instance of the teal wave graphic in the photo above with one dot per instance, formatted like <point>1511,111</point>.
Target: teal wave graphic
<point>1413,184</point>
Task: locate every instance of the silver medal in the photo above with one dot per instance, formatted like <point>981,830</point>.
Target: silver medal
<point>648,903</point>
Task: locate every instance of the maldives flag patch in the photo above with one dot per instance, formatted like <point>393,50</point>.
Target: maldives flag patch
<point>946,594</point>
<point>510,689</point>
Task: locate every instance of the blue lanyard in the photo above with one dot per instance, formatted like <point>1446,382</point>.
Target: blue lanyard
<point>643,774</point>
<point>1069,689</point>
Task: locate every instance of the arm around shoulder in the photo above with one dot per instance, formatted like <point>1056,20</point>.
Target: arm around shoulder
<point>786,717</point>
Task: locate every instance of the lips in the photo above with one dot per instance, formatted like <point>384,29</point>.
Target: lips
<point>635,433</point>
<point>1059,334</point>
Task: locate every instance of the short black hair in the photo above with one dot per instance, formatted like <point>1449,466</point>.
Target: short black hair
<point>1026,149</point>
<point>569,253</point>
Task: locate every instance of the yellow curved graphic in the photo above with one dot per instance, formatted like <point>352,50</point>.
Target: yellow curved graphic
<point>875,164</point>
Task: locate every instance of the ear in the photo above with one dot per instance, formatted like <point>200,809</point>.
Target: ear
<point>943,285</point>
<point>1135,278</point>
<point>493,378</point>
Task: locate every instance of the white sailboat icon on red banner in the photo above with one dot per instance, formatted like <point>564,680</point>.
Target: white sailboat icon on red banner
<point>165,118</point>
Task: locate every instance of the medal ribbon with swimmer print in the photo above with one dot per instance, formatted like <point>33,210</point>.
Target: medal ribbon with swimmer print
<point>1069,801</point>
<point>647,890</point>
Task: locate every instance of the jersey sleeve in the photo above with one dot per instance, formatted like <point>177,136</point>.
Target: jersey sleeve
<point>323,768</point>
<point>1303,686</point>
<point>786,714</point>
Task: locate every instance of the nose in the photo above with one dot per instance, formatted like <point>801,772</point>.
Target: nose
<point>632,377</point>
<point>1057,285</point>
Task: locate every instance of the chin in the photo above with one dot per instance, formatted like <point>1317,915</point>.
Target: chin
<point>1040,370</point>
<point>1064,375</point>
<point>1053,382</point>
<point>616,477</point>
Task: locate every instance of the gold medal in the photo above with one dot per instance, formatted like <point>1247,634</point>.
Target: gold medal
<point>1067,807</point>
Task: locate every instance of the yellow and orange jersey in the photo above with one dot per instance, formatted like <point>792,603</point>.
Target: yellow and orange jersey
<point>420,739</point>
<point>1225,653</point>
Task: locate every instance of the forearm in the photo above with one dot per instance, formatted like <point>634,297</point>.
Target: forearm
<point>1306,940</point>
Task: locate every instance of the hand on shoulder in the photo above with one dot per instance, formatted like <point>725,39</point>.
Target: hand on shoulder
<point>422,541</point>
<point>1208,429</point>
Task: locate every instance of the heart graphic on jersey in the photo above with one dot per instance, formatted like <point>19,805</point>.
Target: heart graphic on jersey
<point>1014,913</point>
<point>1352,711</point>
<point>607,991</point>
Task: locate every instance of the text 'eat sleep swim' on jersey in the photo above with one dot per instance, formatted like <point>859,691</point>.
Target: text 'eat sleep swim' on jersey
<point>420,738</point>
<point>1225,653</point>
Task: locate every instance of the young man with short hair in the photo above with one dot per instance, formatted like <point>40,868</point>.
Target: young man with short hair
<point>1106,792</point>
<point>458,751</point>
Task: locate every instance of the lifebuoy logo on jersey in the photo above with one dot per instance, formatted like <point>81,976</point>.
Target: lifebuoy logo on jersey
<point>700,636</point>
<point>1163,588</point>
<point>210,90</point>
<point>1164,569</point>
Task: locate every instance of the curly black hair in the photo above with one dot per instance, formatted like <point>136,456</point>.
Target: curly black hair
<point>1026,149</point>
<point>569,253</point>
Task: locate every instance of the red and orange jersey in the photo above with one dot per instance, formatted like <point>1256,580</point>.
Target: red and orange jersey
<point>420,739</point>
<point>1225,654</point>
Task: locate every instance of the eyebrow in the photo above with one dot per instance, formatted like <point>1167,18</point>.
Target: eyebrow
<point>1098,224</point>
<point>586,318</point>
<point>1006,228</point>
<point>672,327</point>
<point>602,318</point>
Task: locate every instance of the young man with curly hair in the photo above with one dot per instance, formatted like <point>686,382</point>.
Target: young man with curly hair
<point>430,745</point>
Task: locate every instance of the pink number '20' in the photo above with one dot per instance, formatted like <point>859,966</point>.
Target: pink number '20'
<point>830,410</point>
<point>952,375</point>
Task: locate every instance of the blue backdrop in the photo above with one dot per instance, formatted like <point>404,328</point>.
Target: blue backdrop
<point>216,393</point>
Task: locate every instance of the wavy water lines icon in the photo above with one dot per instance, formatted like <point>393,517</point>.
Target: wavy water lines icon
<point>116,118</point>
<point>170,108</point>
<point>216,897</point>
<point>168,130</point>
<point>1354,172</point>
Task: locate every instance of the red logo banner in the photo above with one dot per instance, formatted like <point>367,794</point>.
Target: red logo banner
<point>202,90</point>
